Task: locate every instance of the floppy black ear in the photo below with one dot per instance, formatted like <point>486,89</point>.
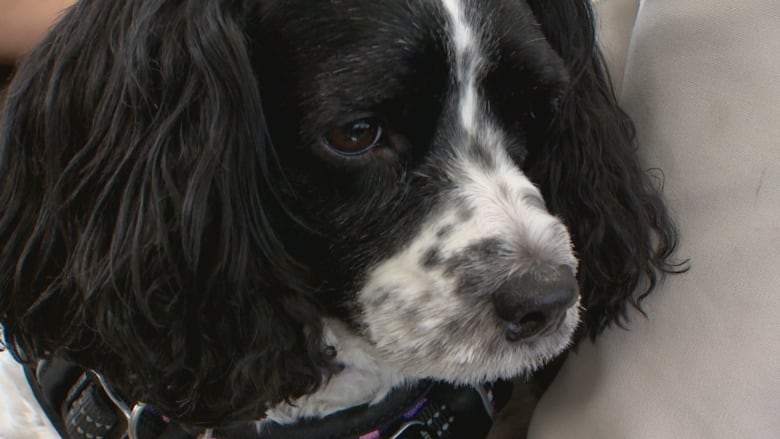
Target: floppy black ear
<point>589,171</point>
<point>135,235</point>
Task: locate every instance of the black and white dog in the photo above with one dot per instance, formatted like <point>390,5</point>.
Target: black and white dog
<point>262,209</point>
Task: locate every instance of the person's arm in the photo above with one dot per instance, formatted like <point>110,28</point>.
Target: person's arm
<point>24,22</point>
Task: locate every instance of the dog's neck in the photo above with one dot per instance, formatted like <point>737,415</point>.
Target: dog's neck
<point>364,379</point>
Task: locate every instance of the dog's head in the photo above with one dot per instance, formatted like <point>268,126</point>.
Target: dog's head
<point>189,187</point>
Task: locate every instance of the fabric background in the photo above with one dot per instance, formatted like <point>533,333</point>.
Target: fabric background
<point>702,79</point>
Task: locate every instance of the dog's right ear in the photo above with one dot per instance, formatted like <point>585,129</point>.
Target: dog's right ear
<point>589,169</point>
<point>136,185</point>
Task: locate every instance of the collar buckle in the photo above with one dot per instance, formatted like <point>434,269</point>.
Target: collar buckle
<point>131,416</point>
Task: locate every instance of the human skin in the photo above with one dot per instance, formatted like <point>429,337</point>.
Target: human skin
<point>23,23</point>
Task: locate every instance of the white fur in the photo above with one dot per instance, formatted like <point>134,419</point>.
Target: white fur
<point>467,63</point>
<point>364,379</point>
<point>455,336</point>
<point>20,415</point>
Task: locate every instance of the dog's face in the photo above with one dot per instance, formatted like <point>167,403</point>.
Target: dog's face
<point>228,173</point>
<point>403,128</point>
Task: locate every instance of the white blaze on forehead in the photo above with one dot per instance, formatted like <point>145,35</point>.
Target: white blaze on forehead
<point>481,133</point>
<point>468,63</point>
<point>462,34</point>
<point>486,177</point>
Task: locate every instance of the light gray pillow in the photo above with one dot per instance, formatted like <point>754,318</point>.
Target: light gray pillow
<point>702,80</point>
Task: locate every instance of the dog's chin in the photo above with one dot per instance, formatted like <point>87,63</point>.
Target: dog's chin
<point>471,349</point>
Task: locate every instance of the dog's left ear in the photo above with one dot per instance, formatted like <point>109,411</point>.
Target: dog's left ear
<point>587,166</point>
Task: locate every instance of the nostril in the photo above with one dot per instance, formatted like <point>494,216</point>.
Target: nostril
<point>528,326</point>
<point>533,319</point>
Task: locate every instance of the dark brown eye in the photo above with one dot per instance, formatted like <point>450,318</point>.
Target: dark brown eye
<point>354,138</point>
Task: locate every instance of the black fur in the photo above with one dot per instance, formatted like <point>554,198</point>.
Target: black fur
<point>135,190</point>
<point>152,230</point>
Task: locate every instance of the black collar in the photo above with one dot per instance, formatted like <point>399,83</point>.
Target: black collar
<point>80,404</point>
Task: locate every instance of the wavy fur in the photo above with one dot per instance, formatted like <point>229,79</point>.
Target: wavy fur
<point>143,232</point>
<point>171,267</point>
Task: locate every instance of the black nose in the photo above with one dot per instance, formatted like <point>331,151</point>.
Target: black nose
<point>535,302</point>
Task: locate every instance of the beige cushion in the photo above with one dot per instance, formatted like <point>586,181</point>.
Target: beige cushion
<point>615,24</point>
<point>702,79</point>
